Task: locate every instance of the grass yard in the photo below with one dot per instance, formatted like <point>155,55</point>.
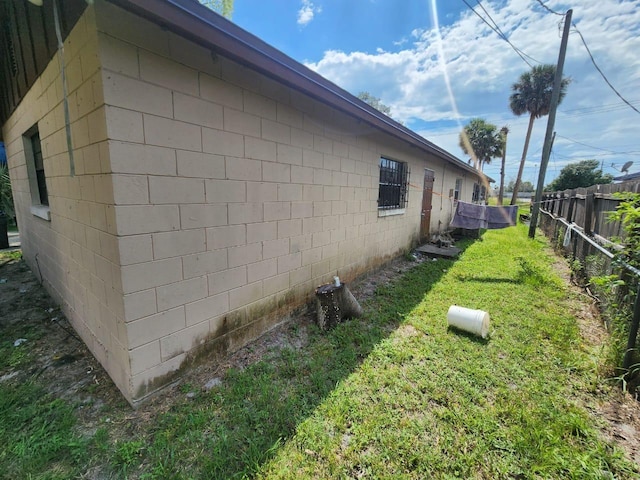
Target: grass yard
<point>395,394</point>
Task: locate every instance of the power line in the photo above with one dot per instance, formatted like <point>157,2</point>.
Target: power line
<point>549,10</point>
<point>584,42</point>
<point>606,105</point>
<point>596,148</point>
<point>520,53</point>
<point>593,110</point>
<point>503,35</point>
<point>600,71</point>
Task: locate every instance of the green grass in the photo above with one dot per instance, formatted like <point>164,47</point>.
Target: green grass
<point>37,436</point>
<point>10,255</point>
<point>395,394</point>
<point>430,402</point>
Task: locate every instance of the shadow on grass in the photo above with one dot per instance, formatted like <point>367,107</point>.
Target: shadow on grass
<point>230,431</point>
<point>470,336</point>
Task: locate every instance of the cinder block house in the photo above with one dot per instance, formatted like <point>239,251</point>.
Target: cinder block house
<point>181,186</point>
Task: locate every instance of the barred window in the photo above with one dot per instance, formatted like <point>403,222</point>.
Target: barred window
<point>479,193</point>
<point>457,191</point>
<point>394,183</point>
<point>38,162</point>
<point>475,197</point>
<point>36,173</point>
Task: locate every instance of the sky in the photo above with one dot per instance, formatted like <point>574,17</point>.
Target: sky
<point>437,64</point>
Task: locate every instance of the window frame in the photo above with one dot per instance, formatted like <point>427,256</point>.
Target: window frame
<point>457,190</point>
<point>393,186</point>
<point>37,173</point>
<point>479,193</point>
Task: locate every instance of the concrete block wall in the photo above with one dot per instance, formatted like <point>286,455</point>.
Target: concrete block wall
<point>234,196</point>
<point>208,200</point>
<point>75,252</point>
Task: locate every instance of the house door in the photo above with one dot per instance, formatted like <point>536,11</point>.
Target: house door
<point>427,193</point>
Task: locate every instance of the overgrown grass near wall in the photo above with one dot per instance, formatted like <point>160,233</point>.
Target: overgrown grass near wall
<point>613,288</point>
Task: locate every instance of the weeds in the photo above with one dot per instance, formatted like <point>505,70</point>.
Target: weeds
<point>126,454</point>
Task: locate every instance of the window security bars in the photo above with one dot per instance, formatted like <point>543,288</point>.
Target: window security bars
<point>394,184</point>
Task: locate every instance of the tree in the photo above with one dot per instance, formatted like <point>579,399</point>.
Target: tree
<point>579,174</point>
<point>532,95</point>
<point>526,186</point>
<point>223,7</point>
<point>375,102</point>
<point>482,141</point>
<point>509,187</point>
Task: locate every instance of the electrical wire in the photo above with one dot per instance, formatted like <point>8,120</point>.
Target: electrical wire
<point>504,36</point>
<point>584,42</point>
<point>593,110</point>
<point>520,53</point>
<point>542,4</point>
<point>606,105</point>
<point>601,72</point>
<point>596,148</point>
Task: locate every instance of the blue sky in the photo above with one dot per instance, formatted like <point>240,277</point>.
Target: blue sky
<point>393,50</point>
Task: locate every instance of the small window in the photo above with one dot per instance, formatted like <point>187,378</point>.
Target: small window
<point>36,173</point>
<point>479,193</point>
<point>38,162</point>
<point>458,190</point>
<point>394,182</point>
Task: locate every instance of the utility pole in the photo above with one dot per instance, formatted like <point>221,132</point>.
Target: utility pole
<point>504,131</point>
<point>548,138</point>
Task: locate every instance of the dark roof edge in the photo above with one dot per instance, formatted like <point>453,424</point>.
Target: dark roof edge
<point>628,176</point>
<point>192,20</point>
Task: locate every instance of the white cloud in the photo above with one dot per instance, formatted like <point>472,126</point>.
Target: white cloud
<point>307,11</point>
<point>482,67</point>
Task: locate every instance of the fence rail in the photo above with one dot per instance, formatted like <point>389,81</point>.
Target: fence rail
<point>577,222</point>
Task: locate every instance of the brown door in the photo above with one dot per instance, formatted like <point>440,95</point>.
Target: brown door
<point>427,193</point>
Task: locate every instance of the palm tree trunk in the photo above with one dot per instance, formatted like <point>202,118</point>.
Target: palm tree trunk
<point>516,186</point>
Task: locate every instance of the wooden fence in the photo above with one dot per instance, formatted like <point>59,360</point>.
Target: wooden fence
<point>577,222</point>
<point>589,207</point>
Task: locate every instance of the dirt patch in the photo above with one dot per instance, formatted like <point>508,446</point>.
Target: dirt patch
<point>56,357</point>
<point>62,363</point>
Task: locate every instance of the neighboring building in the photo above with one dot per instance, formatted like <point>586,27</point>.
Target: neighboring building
<point>627,177</point>
<point>217,182</point>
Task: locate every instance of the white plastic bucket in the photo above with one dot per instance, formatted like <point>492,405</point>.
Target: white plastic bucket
<point>472,321</point>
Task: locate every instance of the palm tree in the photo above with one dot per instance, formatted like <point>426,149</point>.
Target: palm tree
<point>532,94</point>
<point>480,140</point>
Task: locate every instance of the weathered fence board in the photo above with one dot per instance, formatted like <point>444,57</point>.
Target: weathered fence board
<point>589,207</point>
